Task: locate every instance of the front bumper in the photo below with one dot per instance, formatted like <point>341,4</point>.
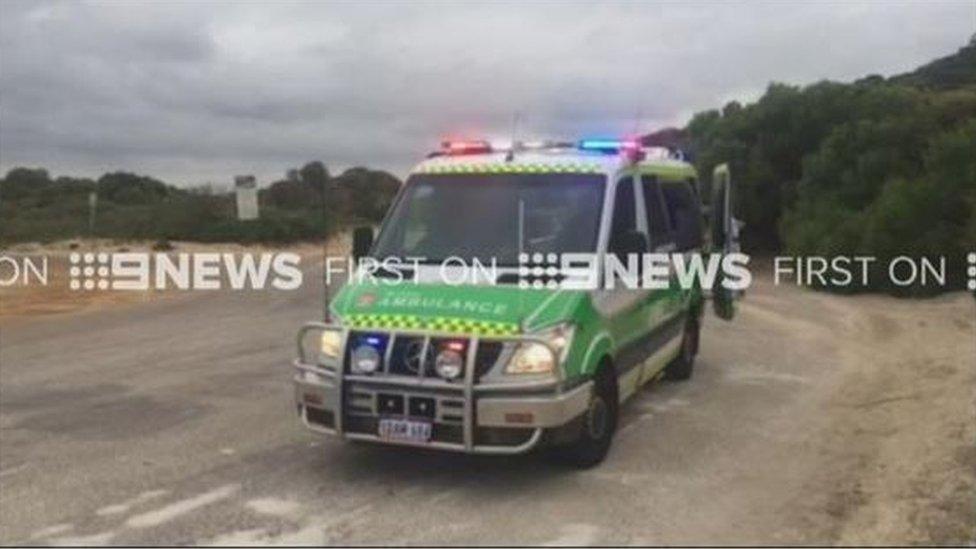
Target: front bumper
<point>483,418</point>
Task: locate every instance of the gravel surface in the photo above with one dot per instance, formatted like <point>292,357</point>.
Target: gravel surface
<point>810,419</point>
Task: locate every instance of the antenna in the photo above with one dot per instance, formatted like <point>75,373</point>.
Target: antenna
<point>511,151</point>
<point>637,122</point>
<point>515,122</point>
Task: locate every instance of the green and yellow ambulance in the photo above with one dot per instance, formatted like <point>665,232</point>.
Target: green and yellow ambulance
<point>508,359</point>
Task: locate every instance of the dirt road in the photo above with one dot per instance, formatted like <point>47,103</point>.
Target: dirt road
<point>810,419</point>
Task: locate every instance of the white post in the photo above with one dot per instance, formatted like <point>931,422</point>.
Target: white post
<point>247,197</point>
<point>92,206</point>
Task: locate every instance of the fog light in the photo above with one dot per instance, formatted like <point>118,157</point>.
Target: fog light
<point>330,344</point>
<point>365,359</point>
<point>449,364</point>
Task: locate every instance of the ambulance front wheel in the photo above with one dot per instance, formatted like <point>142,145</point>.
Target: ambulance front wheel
<point>599,423</point>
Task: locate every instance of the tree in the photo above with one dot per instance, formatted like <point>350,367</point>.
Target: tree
<point>23,181</point>
<point>129,188</point>
<point>315,175</point>
<point>366,194</point>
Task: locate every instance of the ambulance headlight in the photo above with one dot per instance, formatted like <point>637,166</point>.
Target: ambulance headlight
<point>533,357</point>
<point>330,344</point>
<point>365,359</point>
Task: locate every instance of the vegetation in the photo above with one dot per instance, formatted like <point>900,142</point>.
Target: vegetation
<point>306,205</point>
<point>877,167</point>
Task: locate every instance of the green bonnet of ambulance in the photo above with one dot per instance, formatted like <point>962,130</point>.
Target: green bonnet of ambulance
<point>467,310</point>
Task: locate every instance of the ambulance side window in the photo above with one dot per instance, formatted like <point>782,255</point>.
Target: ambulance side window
<point>657,219</point>
<point>684,214</point>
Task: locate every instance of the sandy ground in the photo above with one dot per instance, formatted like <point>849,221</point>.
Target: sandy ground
<point>811,418</point>
<point>900,418</point>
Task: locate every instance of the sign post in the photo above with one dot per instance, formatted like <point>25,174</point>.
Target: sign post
<point>247,197</point>
<point>92,206</point>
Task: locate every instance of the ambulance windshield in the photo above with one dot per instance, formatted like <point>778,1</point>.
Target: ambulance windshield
<point>493,216</point>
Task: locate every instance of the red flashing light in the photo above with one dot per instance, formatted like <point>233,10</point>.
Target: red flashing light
<point>456,346</point>
<point>466,147</point>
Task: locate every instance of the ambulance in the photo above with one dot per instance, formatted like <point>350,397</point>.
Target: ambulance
<point>512,360</point>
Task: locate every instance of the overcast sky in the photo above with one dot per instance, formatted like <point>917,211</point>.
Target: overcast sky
<point>195,92</point>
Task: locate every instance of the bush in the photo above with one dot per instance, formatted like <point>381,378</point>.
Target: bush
<point>871,168</point>
<point>928,214</point>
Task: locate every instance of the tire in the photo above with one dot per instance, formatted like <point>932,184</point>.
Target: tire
<point>599,423</point>
<point>682,366</point>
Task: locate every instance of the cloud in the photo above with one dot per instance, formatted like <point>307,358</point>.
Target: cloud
<point>198,92</point>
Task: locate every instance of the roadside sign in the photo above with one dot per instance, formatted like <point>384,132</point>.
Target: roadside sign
<point>247,197</point>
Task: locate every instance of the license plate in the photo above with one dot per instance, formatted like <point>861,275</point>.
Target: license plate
<point>404,430</point>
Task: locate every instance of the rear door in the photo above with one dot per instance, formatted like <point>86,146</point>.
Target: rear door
<point>724,236</point>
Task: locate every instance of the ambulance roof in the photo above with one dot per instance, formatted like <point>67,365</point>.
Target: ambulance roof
<point>658,161</point>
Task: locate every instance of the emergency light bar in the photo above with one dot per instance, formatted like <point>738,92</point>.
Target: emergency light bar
<point>630,147</point>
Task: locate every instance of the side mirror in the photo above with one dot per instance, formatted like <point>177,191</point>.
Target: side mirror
<point>362,242</point>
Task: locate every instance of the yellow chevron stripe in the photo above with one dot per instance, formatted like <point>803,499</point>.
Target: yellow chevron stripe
<point>438,324</point>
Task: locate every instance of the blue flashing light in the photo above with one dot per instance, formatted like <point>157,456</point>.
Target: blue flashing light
<point>608,145</point>
<point>377,341</point>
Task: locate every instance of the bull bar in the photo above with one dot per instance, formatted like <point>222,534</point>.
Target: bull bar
<point>538,403</point>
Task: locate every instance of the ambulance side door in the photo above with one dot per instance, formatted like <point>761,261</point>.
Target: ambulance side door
<point>664,305</point>
<point>621,305</point>
<point>661,238</point>
<point>625,309</point>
